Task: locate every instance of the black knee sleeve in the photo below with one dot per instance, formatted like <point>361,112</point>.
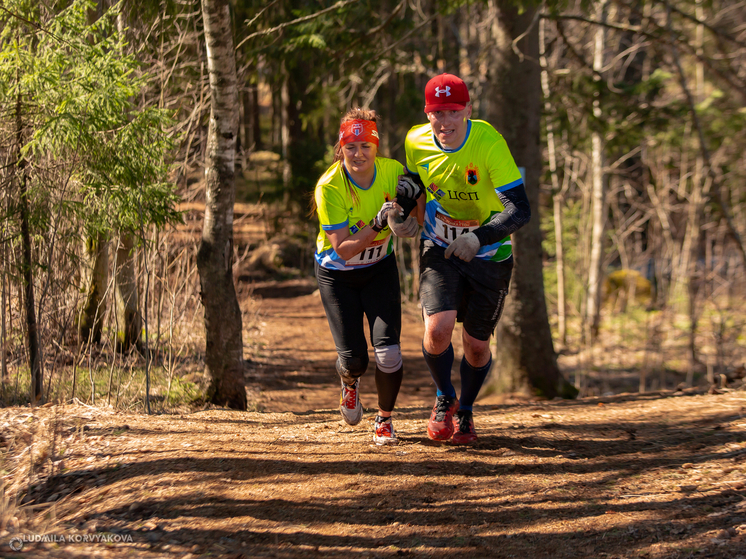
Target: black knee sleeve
<point>388,385</point>
<point>351,368</point>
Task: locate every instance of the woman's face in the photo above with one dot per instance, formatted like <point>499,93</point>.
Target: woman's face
<point>359,157</point>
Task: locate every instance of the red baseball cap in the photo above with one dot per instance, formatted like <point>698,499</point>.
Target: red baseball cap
<point>446,92</point>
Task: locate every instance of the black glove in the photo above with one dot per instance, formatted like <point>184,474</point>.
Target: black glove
<point>409,186</point>
<point>382,217</point>
<point>408,189</point>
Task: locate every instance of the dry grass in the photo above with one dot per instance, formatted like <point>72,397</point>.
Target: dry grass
<point>30,452</point>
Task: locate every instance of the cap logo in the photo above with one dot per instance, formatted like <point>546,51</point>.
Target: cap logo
<point>357,128</point>
<point>447,91</point>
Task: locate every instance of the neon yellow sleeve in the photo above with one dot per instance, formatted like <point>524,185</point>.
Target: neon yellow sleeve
<point>331,207</point>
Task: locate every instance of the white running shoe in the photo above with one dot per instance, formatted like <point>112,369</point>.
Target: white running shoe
<point>384,431</point>
<point>349,403</point>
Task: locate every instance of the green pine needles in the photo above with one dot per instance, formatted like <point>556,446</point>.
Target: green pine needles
<point>72,92</point>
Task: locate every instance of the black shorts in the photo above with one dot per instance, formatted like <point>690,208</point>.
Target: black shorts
<point>476,289</point>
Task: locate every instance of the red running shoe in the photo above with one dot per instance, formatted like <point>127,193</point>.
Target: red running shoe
<point>463,425</point>
<point>440,426</point>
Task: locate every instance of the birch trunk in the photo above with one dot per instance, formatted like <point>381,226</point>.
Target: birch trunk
<point>598,207</point>
<point>558,195</point>
<point>224,364</point>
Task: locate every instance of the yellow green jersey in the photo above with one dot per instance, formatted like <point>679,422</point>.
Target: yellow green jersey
<point>337,209</point>
<point>462,184</point>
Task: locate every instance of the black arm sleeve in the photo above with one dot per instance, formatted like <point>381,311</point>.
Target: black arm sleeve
<point>408,204</point>
<point>516,214</point>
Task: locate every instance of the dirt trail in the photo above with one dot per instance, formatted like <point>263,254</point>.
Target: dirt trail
<point>293,369</point>
<point>652,476</point>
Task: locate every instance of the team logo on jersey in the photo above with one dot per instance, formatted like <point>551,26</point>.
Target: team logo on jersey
<point>357,227</point>
<point>472,174</point>
<point>447,91</point>
<point>435,191</point>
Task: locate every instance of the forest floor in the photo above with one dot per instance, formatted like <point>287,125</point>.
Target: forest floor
<point>656,475</point>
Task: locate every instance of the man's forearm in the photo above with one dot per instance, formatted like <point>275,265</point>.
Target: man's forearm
<point>516,214</point>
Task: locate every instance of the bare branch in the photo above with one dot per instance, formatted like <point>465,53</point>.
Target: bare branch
<point>296,21</point>
<point>714,193</point>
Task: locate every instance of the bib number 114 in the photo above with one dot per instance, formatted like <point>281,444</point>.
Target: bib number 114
<point>451,233</point>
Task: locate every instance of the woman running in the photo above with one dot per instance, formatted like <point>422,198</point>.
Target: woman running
<point>356,268</point>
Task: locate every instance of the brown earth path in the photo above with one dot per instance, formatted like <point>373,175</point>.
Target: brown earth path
<point>633,476</point>
<point>292,368</point>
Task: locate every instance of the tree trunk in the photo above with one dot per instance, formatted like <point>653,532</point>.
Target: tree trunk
<point>245,126</point>
<point>96,274</point>
<point>27,272</point>
<point>285,131</point>
<point>558,202</point>
<point>3,305</point>
<point>558,196</point>
<point>129,320</point>
<point>693,233</point>
<point>598,207</point>
<point>526,361</point>
<point>224,345</point>
<point>256,135</point>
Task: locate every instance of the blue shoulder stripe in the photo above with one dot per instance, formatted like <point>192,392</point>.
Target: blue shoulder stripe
<point>503,188</point>
<point>336,226</point>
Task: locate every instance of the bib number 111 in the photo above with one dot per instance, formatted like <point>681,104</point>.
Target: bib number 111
<point>371,254</point>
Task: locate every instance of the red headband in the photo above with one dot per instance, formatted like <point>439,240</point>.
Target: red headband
<point>358,131</point>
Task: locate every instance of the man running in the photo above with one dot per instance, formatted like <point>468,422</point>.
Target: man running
<point>474,200</point>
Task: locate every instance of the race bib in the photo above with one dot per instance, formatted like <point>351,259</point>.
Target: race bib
<point>448,229</point>
<point>371,254</point>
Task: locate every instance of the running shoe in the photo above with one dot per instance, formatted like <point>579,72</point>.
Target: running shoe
<point>349,403</point>
<point>463,426</point>
<point>384,431</point>
<point>440,426</point>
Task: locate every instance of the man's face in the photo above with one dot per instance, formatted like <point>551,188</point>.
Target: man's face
<point>449,127</point>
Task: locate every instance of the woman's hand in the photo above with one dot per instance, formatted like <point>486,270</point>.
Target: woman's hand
<point>381,220</point>
<point>348,245</point>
